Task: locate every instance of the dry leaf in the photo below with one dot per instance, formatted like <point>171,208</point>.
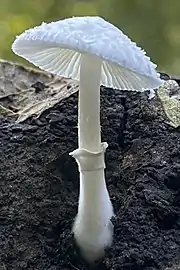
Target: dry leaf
<point>25,92</point>
<point>169,95</point>
<point>4,111</point>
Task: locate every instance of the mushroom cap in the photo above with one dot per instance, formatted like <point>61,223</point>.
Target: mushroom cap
<point>56,47</point>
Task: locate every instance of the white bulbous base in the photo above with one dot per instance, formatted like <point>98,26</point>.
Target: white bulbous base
<point>93,241</point>
<point>93,230</point>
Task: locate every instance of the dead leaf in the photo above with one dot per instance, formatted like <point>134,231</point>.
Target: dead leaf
<point>25,92</point>
<point>169,95</point>
<point>4,111</point>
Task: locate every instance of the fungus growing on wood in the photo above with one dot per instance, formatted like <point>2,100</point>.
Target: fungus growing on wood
<point>93,52</point>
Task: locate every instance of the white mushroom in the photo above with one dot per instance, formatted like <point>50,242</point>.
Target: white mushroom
<point>93,52</point>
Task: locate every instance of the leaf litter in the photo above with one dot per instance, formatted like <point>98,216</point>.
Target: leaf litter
<point>25,92</point>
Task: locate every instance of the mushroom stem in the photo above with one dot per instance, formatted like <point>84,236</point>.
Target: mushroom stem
<point>92,229</point>
<point>89,103</point>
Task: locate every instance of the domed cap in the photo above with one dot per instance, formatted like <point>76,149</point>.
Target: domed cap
<point>57,47</point>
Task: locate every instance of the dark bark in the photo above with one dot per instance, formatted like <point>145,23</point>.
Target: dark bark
<point>39,186</point>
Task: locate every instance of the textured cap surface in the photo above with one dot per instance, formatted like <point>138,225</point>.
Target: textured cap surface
<point>56,47</point>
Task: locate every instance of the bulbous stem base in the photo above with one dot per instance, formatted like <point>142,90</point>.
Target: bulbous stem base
<point>93,230</point>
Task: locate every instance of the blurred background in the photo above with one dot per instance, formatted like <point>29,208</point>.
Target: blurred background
<point>152,24</point>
